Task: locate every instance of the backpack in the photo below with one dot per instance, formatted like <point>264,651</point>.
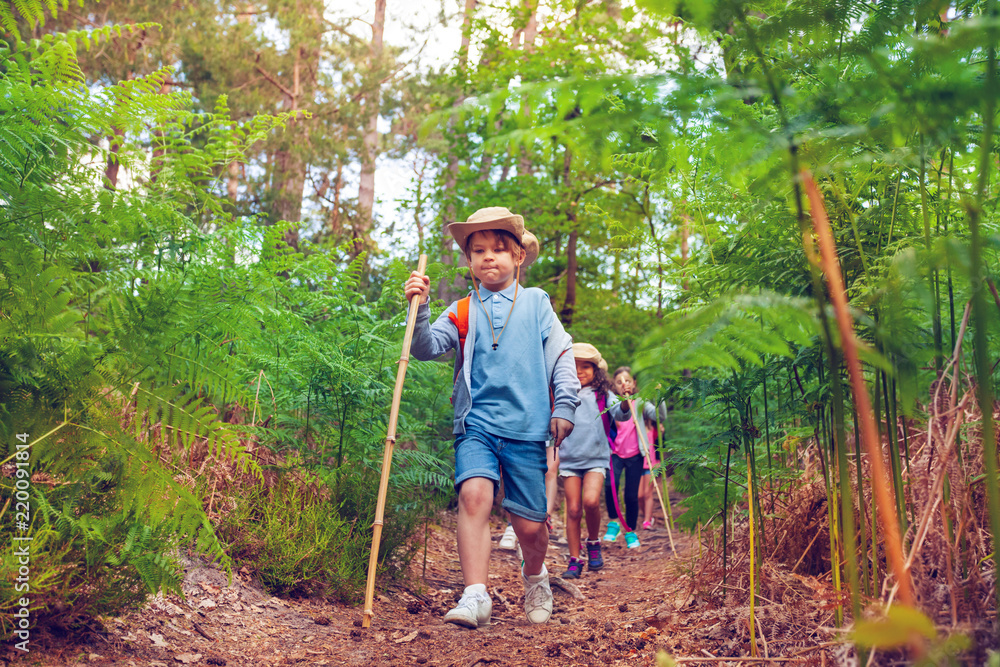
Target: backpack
<point>461,321</point>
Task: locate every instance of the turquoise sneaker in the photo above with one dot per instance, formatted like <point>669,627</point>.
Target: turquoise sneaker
<point>632,541</point>
<point>613,529</point>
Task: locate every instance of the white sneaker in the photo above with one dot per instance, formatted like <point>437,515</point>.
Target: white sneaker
<point>474,609</point>
<point>537,596</point>
<point>509,539</point>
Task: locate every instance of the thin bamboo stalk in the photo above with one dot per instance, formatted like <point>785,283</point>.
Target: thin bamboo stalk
<point>748,444</point>
<point>844,475</point>
<point>880,482</point>
<point>767,439</point>
<point>390,442</point>
<point>897,471</point>
<point>932,274</point>
<point>862,505</point>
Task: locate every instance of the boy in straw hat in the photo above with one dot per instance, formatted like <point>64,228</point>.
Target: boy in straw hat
<point>515,350</point>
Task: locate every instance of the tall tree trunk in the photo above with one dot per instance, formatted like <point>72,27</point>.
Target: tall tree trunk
<point>366,191</point>
<point>111,169</point>
<point>531,28</point>
<point>233,183</point>
<point>445,290</point>
<point>525,165</point>
<point>288,183</point>
<point>338,184</point>
<point>647,207</point>
<point>420,171</point>
<point>569,304</point>
<point>685,232</point>
<point>289,178</point>
<point>232,191</point>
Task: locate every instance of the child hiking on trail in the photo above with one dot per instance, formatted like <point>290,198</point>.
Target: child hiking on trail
<point>626,458</point>
<point>583,458</point>
<point>511,349</point>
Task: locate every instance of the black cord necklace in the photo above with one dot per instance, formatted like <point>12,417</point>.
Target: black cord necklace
<point>496,337</point>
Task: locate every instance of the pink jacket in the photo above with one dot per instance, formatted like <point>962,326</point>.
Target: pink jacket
<point>627,442</point>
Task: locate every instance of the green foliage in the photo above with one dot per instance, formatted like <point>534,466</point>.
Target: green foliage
<point>902,627</point>
<point>295,542</point>
<point>655,151</point>
<point>89,556</point>
<point>147,328</point>
<point>309,535</point>
<point>615,328</point>
<point>729,334</point>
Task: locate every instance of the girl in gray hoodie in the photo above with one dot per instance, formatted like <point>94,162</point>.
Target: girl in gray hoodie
<point>584,456</point>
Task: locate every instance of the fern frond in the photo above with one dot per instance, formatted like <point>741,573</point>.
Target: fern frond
<point>729,333</point>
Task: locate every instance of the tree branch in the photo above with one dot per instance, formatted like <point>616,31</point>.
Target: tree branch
<point>273,80</point>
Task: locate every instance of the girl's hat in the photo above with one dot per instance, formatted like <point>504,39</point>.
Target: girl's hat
<point>496,217</point>
<point>587,352</point>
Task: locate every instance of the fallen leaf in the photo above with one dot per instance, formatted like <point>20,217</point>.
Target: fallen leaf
<point>188,658</point>
<point>408,638</point>
<point>158,640</point>
<point>207,604</point>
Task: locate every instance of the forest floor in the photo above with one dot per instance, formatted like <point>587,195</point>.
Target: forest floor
<point>643,601</point>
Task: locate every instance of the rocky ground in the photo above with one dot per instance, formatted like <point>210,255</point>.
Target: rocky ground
<point>645,602</point>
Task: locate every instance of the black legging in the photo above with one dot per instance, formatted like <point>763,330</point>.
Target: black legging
<point>633,473</point>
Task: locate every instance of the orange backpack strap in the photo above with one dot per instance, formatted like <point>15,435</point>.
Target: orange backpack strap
<point>460,319</point>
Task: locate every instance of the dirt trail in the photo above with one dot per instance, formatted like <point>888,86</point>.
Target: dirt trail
<point>644,600</point>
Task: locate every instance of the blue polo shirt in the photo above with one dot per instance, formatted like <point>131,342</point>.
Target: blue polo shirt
<point>509,387</point>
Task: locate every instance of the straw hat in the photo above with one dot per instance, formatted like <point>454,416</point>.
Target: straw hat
<point>497,217</point>
<point>587,352</point>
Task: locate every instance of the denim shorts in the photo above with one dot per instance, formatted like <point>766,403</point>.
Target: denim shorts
<point>521,462</point>
<point>582,472</point>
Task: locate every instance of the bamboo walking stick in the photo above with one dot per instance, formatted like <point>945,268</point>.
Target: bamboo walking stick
<point>390,441</point>
<point>640,429</point>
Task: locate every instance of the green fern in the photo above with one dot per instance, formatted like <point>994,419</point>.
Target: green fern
<point>728,334</point>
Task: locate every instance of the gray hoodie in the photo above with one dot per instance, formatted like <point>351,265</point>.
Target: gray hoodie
<point>587,446</point>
